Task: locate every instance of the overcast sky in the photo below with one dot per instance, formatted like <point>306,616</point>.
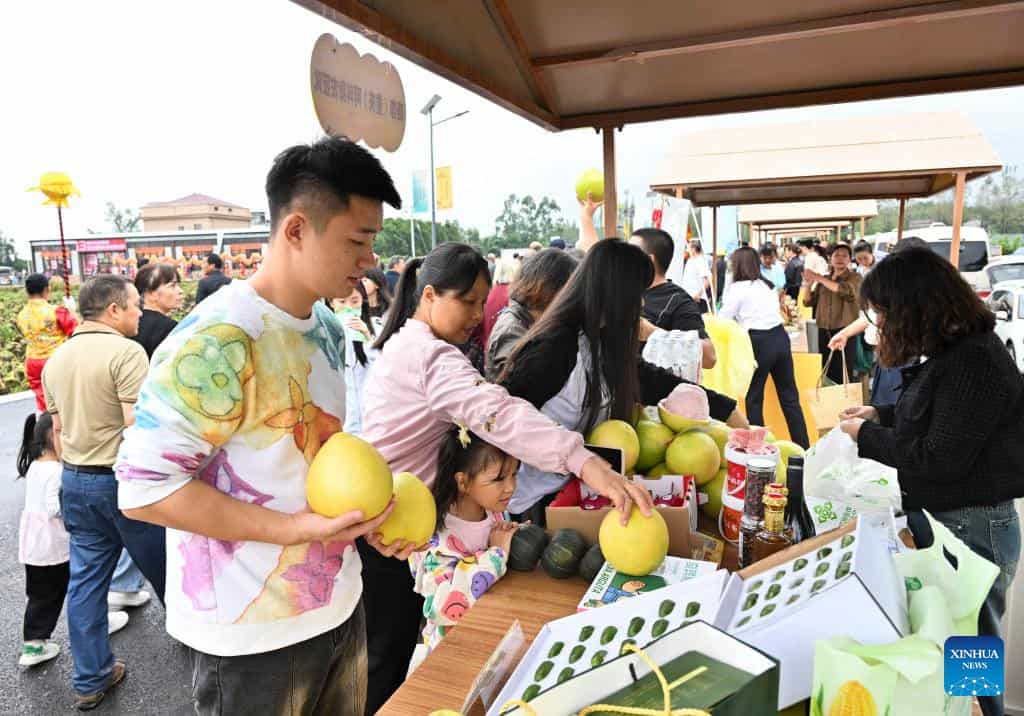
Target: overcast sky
<point>142,101</point>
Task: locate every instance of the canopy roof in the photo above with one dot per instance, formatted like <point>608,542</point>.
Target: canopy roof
<point>609,63</point>
<point>820,212</point>
<point>888,156</point>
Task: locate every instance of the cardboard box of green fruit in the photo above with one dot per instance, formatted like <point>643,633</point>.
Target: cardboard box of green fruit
<point>705,669</point>
<point>843,583</point>
<point>569,647</point>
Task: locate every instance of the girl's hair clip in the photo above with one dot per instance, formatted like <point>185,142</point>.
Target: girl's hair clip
<point>463,436</point>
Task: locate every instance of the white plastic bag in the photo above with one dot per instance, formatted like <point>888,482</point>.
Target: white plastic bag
<point>680,352</point>
<point>840,484</point>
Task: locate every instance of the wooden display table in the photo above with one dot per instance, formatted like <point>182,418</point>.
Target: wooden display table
<point>534,598</point>
<point>444,679</point>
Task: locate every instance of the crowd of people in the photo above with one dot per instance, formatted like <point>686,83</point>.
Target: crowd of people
<point>182,449</point>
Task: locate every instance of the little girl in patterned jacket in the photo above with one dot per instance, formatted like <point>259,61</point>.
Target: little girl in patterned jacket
<point>469,551</point>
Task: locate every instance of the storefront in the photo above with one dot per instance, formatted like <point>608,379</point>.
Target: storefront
<point>96,256</point>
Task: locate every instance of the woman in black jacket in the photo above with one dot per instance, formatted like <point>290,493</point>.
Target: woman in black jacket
<point>159,289</point>
<point>580,363</point>
<point>542,276</point>
<point>956,435</point>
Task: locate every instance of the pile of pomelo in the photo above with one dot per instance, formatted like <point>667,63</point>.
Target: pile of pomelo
<point>661,443</point>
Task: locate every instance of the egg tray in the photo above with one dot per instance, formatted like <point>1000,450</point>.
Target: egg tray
<point>791,584</point>
<point>573,645</point>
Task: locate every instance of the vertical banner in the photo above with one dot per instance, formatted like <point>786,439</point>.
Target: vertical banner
<point>420,192</point>
<point>443,177</point>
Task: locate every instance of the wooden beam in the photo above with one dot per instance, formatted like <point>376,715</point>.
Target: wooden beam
<point>507,26</point>
<point>1007,77</point>
<point>958,218</point>
<point>899,226</point>
<point>611,207</point>
<point>377,27</point>
<point>839,24</point>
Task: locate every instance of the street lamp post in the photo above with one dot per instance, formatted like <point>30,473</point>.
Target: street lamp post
<point>428,110</point>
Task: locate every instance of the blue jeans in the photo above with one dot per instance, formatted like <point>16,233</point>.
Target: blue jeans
<point>127,577</point>
<point>98,533</point>
<point>992,531</point>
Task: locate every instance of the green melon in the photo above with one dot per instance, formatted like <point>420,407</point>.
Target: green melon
<point>561,558</point>
<point>591,563</point>
<point>528,545</point>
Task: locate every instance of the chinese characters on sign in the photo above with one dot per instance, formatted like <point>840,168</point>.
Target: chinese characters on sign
<point>357,95</point>
<point>443,179</point>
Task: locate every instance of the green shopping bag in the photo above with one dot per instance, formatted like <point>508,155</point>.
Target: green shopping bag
<point>905,677</point>
<point>963,587</point>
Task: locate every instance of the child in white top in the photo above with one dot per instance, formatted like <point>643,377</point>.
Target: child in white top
<point>469,551</point>
<point>43,544</point>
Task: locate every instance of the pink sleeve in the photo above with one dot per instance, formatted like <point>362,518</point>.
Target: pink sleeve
<point>457,393</point>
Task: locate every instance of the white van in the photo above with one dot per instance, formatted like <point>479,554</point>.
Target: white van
<point>975,252</point>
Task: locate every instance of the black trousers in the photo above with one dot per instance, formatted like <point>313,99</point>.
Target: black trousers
<point>793,292</point>
<point>774,357</point>
<point>835,368</point>
<point>393,616</point>
<point>45,588</point>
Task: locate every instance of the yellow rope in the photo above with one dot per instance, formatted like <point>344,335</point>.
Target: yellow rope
<point>666,691</point>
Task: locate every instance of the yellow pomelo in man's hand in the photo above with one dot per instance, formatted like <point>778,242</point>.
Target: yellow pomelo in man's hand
<point>348,474</point>
<point>415,515</point>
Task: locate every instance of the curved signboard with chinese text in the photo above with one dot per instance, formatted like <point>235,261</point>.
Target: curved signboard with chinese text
<point>357,95</point>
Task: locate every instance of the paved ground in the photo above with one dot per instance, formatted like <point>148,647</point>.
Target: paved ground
<point>158,673</point>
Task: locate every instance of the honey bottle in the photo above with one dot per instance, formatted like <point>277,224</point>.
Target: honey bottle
<point>772,537</point>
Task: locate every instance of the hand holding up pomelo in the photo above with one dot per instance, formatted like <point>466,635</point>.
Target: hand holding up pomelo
<point>590,182</point>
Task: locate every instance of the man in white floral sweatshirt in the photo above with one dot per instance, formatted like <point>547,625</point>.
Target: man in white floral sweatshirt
<point>238,401</point>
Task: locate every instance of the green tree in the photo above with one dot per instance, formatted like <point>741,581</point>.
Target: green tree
<point>9,254</point>
<point>524,220</point>
<point>122,220</point>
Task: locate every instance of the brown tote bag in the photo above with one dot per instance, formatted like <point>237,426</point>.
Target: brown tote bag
<point>826,402</point>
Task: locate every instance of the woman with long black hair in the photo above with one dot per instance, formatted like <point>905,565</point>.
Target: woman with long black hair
<point>378,296</point>
<point>751,300</point>
<point>420,386</point>
<point>580,363</point>
<point>956,435</point>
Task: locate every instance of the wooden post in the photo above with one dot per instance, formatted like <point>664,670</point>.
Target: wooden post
<point>862,234</point>
<point>714,257</point>
<point>899,226</point>
<point>958,218</point>
<point>853,234</point>
<point>611,206</point>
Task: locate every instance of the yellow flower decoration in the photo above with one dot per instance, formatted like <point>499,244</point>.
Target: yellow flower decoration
<point>464,438</point>
<point>57,187</point>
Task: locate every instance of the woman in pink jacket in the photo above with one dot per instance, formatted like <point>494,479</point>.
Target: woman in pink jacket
<point>419,386</point>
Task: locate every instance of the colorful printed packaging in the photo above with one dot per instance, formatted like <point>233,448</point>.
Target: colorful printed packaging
<point>610,585</point>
